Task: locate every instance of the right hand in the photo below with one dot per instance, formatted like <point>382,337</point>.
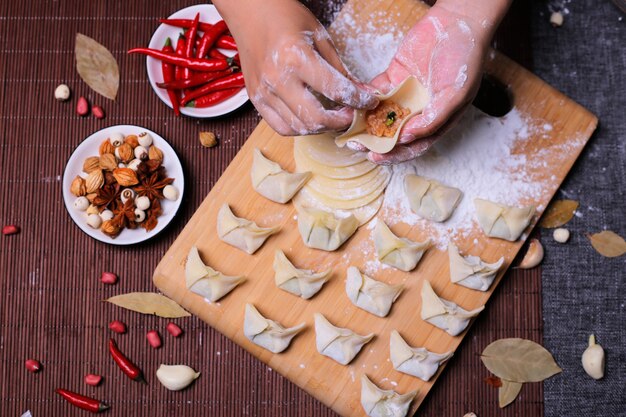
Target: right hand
<point>288,58</point>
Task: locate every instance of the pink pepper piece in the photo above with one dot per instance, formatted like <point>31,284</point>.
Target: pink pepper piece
<point>173,329</point>
<point>154,339</point>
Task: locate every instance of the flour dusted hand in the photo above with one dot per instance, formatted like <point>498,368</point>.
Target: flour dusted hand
<point>288,61</point>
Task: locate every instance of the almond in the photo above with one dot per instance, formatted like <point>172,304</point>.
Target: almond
<point>155,153</point>
<point>91,164</point>
<point>94,181</point>
<point>132,140</point>
<point>106,147</point>
<point>124,152</point>
<point>108,162</point>
<point>125,177</point>
<point>78,187</point>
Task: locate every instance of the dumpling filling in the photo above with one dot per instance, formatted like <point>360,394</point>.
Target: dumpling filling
<point>384,120</point>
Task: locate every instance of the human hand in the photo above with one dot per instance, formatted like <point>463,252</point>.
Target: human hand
<point>288,61</point>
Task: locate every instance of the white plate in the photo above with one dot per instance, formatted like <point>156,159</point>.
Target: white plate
<point>89,147</point>
<point>208,14</point>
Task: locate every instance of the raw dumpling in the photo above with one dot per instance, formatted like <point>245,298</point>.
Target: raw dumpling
<point>418,362</point>
<point>471,271</point>
<point>323,230</point>
<point>409,94</point>
<point>384,403</point>
<point>205,281</point>
<point>301,282</point>
<point>400,253</point>
<point>337,343</point>
<point>273,182</point>
<point>430,199</point>
<point>501,221</point>
<point>241,233</point>
<point>443,313</point>
<point>373,296</point>
<point>267,333</point>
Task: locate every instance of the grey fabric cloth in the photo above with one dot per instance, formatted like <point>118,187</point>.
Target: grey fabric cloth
<point>583,292</point>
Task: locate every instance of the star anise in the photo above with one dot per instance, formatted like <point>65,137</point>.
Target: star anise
<point>152,187</point>
<point>149,167</point>
<point>150,223</point>
<point>125,214</point>
<point>106,195</point>
<point>109,178</point>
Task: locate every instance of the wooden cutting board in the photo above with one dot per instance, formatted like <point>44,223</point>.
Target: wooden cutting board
<point>335,385</point>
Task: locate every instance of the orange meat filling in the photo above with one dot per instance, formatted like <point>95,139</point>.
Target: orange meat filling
<point>384,120</point>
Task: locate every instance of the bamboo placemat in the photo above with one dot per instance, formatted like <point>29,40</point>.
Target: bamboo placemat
<point>50,291</point>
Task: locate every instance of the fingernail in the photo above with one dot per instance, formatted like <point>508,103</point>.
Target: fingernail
<point>406,138</point>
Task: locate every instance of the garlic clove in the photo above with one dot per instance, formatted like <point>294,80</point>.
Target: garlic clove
<point>176,377</point>
<point>533,256</point>
<point>561,235</point>
<point>106,215</point>
<point>170,192</point>
<point>140,215</point>
<point>593,359</point>
<point>145,139</point>
<point>117,139</point>
<point>142,203</point>
<point>81,203</point>
<point>94,220</point>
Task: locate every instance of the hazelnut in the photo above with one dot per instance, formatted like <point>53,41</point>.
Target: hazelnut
<point>78,187</point>
<point>94,221</point>
<point>170,192</point>
<point>145,139</point>
<point>106,147</point>
<point>142,203</point>
<point>132,141</point>
<point>127,194</point>
<point>140,215</point>
<point>110,228</point>
<point>141,153</point>
<point>108,162</point>
<point>208,139</point>
<point>117,139</point>
<point>94,181</point>
<point>91,164</point>
<point>155,154</point>
<point>62,92</point>
<point>124,152</point>
<point>106,215</point>
<point>81,203</point>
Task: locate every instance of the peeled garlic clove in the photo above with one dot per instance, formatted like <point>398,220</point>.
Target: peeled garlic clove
<point>170,192</point>
<point>533,256</point>
<point>176,377</point>
<point>593,359</point>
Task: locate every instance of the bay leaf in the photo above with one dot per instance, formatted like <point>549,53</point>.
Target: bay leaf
<point>508,392</point>
<point>97,66</point>
<point>519,360</point>
<point>608,243</point>
<point>149,303</point>
<point>558,213</point>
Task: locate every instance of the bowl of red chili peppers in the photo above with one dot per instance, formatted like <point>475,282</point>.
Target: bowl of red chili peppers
<point>193,65</point>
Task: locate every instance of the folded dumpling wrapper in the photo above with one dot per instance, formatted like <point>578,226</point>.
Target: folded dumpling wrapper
<point>369,294</point>
<point>395,251</point>
<point>384,403</point>
<point>273,182</point>
<point>502,221</point>
<point>410,94</point>
<point>267,333</point>
<point>443,313</point>
<point>324,230</point>
<point>470,271</point>
<point>301,282</point>
<point>241,233</point>
<point>430,199</point>
<point>206,281</point>
<point>338,343</point>
<point>419,362</point>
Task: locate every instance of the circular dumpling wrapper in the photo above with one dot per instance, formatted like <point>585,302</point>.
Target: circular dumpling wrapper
<point>322,149</point>
<point>305,163</point>
<point>363,214</point>
<point>349,193</point>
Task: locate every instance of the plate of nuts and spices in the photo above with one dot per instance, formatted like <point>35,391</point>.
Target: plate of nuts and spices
<point>123,184</point>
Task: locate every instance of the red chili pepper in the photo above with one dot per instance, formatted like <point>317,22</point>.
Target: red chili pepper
<point>226,42</point>
<point>80,401</point>
<point>196,80</point>
<point>130,369</point>
<point>213,98</point>
<point>191,37</point>
<point>215,53</point>
<point>209,38</point>
<point>186,24</point>
<point>197,64</point>
<point>168,76</point>
<point>180,50</point>
<point>225,83</point>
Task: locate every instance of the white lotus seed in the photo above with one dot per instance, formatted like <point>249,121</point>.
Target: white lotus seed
<point>94,221</point>
<point>106,215</point>
<point>145,139</point>
<point>134,164</point>
<point>81,203</point>
<point>121,165</point>
<point>126,195</point>
<point>170,192</point>
<point>62,92</point>
<point>141,153</point>
<point>140,215</point>
<point>116,139</point>
<point>561,235</point>
<point>556,19</point>
<point>142,203</point>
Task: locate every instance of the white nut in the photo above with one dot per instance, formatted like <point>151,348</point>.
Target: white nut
<point>176,377</point>
<point>81,203</point>
<point>92,209</point>
<point>140,215</point>
<point>533,256</point>
<point>117,139</point>
<point>593,359</point>
<point>121,165</point>
<point>106,215</point>
<point>127,194</point>
<point>561,235</point>
<point>170,192</point>
<point>94,221</point>
<point>62,92</point>
<point>134,164</point>
<point>142,203</point>
<point>556,18</point>
<point>145,139</point>
<point>141,153</point>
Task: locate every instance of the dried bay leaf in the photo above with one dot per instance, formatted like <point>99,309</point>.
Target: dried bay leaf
<point>558,213</point>
<point>608,243</point>
<point>97,66</point>
<point>508,392</point>
<point>149,303</point>
<point>519,360</point>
